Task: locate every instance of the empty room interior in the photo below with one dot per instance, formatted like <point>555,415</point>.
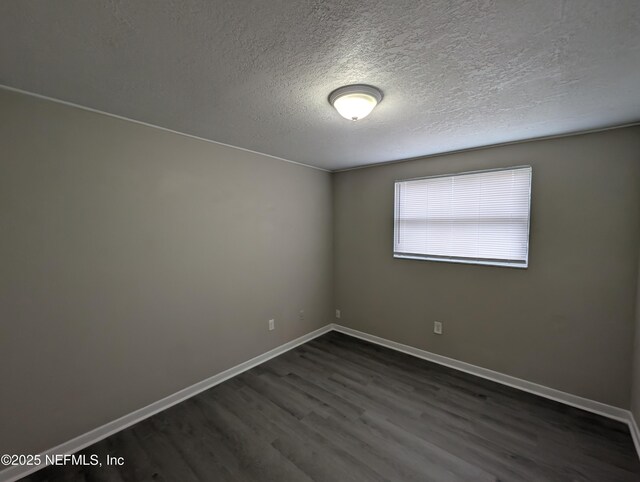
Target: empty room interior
<point>320,240</point>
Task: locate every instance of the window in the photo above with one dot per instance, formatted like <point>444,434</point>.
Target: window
<point>476,217</point>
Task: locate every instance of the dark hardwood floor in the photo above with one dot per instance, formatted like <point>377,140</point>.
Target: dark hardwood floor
<point>340,409</point>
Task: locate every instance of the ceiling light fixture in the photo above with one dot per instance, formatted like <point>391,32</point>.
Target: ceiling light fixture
<point>355,102</point>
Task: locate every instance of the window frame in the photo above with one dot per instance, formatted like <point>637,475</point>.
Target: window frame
<point>453,259</point>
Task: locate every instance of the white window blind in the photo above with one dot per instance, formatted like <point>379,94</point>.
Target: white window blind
<point>478,217</point>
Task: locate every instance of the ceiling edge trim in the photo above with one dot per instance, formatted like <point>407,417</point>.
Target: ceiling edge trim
<point>489,146</point>
<point>135,121</point>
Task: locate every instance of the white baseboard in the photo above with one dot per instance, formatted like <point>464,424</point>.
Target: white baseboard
<point>17,472</point>
<point>609,411</point>
<point>599,408</point>
<point>559,396</point>
<point>14,473</point>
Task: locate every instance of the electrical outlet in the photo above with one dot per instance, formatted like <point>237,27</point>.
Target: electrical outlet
<point>301,315</point>
<point>338,314</point>
<point>437,327</point>
<point>272,325</point>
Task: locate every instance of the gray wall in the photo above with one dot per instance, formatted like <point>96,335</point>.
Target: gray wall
<point>565,322</point>
<point>136,262</point>
<point>635,380</point>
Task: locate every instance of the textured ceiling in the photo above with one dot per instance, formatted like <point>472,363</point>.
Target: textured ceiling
<point>256,74</point>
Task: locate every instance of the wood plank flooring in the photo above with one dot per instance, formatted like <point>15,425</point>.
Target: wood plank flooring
<point>341,409</point>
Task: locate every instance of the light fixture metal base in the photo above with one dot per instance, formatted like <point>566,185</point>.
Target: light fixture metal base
<point>356,89</point>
